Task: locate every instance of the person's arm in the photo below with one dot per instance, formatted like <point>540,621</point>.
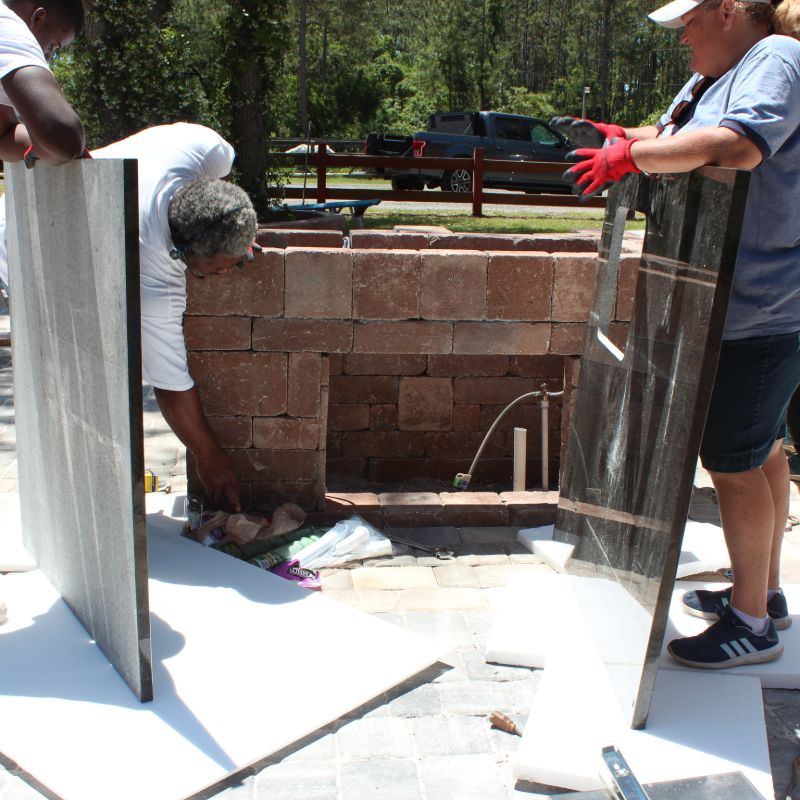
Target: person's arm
<point>14,138</point>
<point>184,414</point>
<point>598,168</point>
<point>647,132</point>
<point>705,147</point>
<point>55,130</point>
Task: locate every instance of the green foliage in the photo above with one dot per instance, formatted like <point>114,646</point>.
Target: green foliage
<point>519,100</point>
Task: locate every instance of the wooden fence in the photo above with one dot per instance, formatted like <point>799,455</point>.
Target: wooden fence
<point>477,166</point>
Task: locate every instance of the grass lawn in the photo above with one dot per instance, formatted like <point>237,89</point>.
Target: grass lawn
<point>494,222</point>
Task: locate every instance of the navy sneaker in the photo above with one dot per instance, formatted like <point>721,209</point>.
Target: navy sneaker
<point>709,605</point>
<point>727,643</point>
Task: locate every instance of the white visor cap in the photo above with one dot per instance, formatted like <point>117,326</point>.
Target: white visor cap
<point>670,15</point>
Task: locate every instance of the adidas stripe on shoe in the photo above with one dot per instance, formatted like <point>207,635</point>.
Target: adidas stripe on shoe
<point>710,605</point>
<point>727,643</point>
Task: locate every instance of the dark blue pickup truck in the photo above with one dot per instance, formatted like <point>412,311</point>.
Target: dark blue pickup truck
<point>509,137</point>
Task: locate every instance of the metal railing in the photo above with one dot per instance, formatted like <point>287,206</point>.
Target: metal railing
<point>478,166</point>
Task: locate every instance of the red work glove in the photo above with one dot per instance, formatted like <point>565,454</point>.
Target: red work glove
<point>585,132</point>
<point>599,168</point>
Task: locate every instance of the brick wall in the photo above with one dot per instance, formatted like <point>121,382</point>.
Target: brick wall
<point>385,364</point>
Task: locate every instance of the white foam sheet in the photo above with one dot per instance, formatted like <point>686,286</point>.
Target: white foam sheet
<point>534,616</point>
<point>13,555</point>
<point>781,674</point>
<point>699,724</point>
<point>702,548</point>
<point>245,664</point>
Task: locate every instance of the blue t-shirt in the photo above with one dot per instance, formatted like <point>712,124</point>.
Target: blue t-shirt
<point>759,97</point>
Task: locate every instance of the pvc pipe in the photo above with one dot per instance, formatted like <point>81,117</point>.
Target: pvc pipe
<point>520,452</point>
<point>545,442</point>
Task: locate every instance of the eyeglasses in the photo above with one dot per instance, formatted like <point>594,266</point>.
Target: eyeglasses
<point>683,111</point>
<point>178,253</point>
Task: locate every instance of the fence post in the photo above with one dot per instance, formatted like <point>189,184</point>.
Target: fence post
<point>477,182</point>
<point>322,157</point>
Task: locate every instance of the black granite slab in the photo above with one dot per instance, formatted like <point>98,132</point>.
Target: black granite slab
<point>640,411</point>
<point>74,284</point>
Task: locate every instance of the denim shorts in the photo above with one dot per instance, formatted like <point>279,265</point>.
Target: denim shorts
<point>755,381</point>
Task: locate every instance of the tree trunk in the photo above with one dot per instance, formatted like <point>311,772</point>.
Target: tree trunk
<point>302,67</point>
<point>605,56</point>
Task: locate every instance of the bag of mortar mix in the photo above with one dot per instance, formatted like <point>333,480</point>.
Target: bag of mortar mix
<point>349,540</point>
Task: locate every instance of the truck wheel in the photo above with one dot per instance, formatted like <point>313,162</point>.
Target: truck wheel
<point>458,180</point>
<point>401,183</point>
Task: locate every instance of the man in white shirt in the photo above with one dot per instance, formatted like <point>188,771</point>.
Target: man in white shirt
<point>33,111</point>
<point>189,220</point>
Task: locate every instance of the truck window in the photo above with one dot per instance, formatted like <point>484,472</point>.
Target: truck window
<point>509,128</point>
<point>542,135</point>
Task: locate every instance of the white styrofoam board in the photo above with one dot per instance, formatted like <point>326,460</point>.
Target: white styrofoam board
<point>13,555</point>
<point>245,664</point>
<point>702,548</point>
<point>533,616</point>
<point>784,673</point>
<point>699,724</point>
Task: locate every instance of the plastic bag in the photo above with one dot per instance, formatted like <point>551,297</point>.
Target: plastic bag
<point>349,540</point>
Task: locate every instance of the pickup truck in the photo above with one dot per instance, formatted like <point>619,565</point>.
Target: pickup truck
<point>502,136</point>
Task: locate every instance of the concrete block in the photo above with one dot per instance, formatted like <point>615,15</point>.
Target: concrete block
<point>319,283</point>
<point>573,286</point>
<point>520,286</point>
<point>386,284</point>
<point>452,366</point>
<point>407,509</point>
<point>425,404</point>
<point>304,384</point>
<point>285,433</point>
<point>403,337</point>
<point>394,578</point>
<point>474,508</point>
<point>510,338</point>
<point>321,336</point>
<point>217,333</point>
<point>373,364</point>
<point>453,285</point>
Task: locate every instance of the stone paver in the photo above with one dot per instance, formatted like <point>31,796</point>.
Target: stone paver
<point>391,578</point>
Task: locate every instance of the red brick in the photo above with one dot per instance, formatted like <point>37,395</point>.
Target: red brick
<point>383,444</point>
<point>363,389</point>
<point>333,444</point>
<point>349,417</point>
<point>462,444</point>
<point>346,468</point>
<point>402,337</point>
<point>232,432</point>
<point>626,287</point>
<point>520,286</point>
<point>453,285</point>
<point>298,237</point>
<point>251,384</point>
<point>426,404</point>
<point>388,240</point>
<point>573,287</point>
<point>302,335</point>
<point>526,414</point>
<point>342,505</point>
<point>285,433</point>
<point>319,283</point>
<point>368,364</point>
<point>217,333</point>
<point>256,291</point>
<point>509,338</point>
<point>268,496</point>
<point>451,366</point>
<point>537,367</point>
<point>569,338</point>
<point>559,243</point>
<point>530,508</point>
<point>473,509</point>
<point>386,284</point>
<point>383,417</point>
<point>274,466</point>
<point>305,382</point>
<point>491,390</point>
<point>335,364</point>
<point>466,417</point>
<point>411,509</point>
<point>473,241</point>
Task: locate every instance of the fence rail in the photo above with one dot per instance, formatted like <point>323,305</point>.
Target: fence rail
<point>477,166</point>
